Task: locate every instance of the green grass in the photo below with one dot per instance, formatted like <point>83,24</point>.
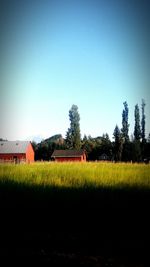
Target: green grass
<point>77,175</point>
<point>90,202</point>
<point>98,196</point>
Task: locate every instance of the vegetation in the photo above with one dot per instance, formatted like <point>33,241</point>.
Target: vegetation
<point>125,125</point>
<point>89,203</point>
<point>44,150</point>
<point>60,212</point>
<point>118,145</point>
<point>78,175</point>
<point>124,148</point>
<point>143,122</point>
<point>73,137</point>
<point>137,129</point>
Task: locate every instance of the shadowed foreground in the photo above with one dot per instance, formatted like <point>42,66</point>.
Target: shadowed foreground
<point>74,227</point>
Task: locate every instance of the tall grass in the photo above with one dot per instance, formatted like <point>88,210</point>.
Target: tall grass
<point>77,175</point>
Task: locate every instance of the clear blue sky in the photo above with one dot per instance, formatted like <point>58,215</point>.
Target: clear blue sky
<point>95,54</point>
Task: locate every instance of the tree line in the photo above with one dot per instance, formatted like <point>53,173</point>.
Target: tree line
<point>123,148</point>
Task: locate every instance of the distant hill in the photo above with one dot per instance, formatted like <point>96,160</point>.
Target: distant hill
<point>45,148</point>
<point>57,139</point>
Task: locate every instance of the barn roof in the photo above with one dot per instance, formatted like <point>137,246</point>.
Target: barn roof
<point>9,147</point>
<point>68,153</point>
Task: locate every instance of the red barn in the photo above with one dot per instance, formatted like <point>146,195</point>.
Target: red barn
<point>16,151</point>
<point>69,155</point>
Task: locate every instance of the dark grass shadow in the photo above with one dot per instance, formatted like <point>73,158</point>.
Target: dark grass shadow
<point>88,206</point>
<point>39,223</point>
<point>22,195</point>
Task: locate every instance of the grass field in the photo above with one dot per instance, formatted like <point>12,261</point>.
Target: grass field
<point>78,175</point>
<point>75,214</point>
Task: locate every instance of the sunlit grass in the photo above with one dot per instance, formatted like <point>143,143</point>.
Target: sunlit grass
<point>78,175</point>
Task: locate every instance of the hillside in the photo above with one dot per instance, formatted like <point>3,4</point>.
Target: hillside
<point>45,148</point>
<point>57,139</point>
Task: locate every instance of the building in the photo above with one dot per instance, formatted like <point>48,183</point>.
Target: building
<point>104,156</point>
<point>69,155</point>
<point>16,151</point>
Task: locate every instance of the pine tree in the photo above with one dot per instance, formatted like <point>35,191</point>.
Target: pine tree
<point>73,137</point>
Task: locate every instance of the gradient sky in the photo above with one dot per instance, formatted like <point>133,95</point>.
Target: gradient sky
<point>95,54</point>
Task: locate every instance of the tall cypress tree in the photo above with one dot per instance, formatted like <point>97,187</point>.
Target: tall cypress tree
<point>73,136</point>
<point>126,155</point>
<point>137,129</point>
<point>137,136</point>
<point>148,138</point>
<point>118,145</point>
<point>125,125</point>
<point>143,122</point>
